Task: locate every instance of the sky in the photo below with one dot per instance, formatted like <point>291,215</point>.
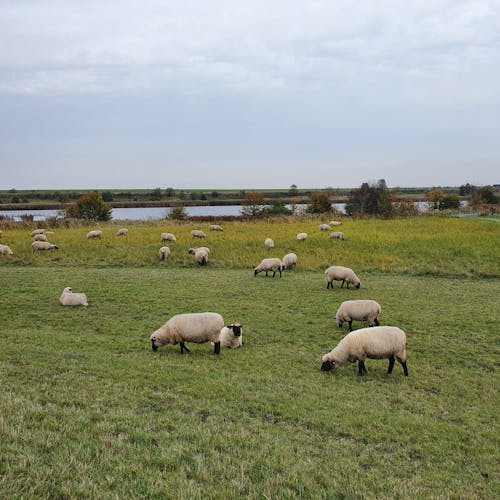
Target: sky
<point>248,94</point>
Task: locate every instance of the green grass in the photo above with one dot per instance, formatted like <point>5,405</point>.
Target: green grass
<point>87,410</point>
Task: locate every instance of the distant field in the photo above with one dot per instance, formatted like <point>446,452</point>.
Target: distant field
<point>87,410</point>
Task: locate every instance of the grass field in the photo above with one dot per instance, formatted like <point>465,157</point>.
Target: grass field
<point>87,410</point>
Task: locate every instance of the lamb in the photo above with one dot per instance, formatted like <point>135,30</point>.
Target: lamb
<point>301,236</point>
<point>335,223</point>
<point>231,336</point>
<point>215,227</point>
<point>94,234</point>
<point>379,342</point>
<point>359,310</point>
<point>269,243</point>
<point>190,327</point>
<point>337,235</point>
<point>324,227</point>
<point>196,233</point>
<point>40,246</point>
<point>271,264</point>
<point>41,237</point>
<point>289,260</point>
<point>200,254</point>
<point>164,252</point>
<point>122,232</point>
<point>341,273</point>
<point>168,237</point>
<point>5,250</point>
<point>68,298</point>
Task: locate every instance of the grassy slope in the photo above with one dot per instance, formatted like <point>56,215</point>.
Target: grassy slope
<point>87,409</point>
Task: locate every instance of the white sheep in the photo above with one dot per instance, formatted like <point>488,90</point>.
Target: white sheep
<point>335,223</point>
<point>289,260</point>
<point>41,237</point>
<point>168,237</point>
<point>40,246</point>
<point>68,298</point>
<point>37,231</point>
<point>301,236</point>
<point>271,264</point>
<point>337,235</point>
<point>324,227</point>
<point>269,243</point>
<point>122,232</point>
<point>231,336</point>
<point>200,254</point>
<point>190,327</point>
<point>197,233</point>
<point>359,310</point>
<point>341,273</point>
<point>379,342</point>
<point>95,234</point>
<point>216,227</point>
<point>164,252</point>
<point>5,250</point>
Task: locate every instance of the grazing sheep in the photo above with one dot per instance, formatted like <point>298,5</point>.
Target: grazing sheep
<point>341,273</point>
<point>271,264</point>
<point>335,223</point>
<point>122,232</point>
<point>337,235</point>
<point>289,260</point>
<point>269,243</point>
<point>379,342</point>
<point>40,246</point>
<point>200,254</point>
<point>324,227</point>
<point>37,231</point>
<point>359,310</point>
<point>168,237</point>
<point>5,250</point>
<point>164,252</point>
<point>231,336</point>
<point>215,227</point>
<point>190,327</point>
<point>68,298</point>
<point>301,236</point>
<point>94,234</point>
<point>196,233</point>
<point>41,237</point>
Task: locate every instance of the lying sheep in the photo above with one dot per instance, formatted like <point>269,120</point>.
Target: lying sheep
<point>68,298</point>
<point>168,237</point>
<point>5,250</point>
<point>122,232</point>
<point>41,237</point>
<point>337,235</point>
<point>324,227</point>
<point>164,252</point>
<point>301,236</point>
<point>190,327</point>
<point>271,264</point>
<point>200,254</point>
<point>289,260</point>
<point>215,227</point>
<point>94,234</point>
<point>197,233</point>
<point>231,336</point>
<point>379,342</point>
<point>335,223</point>
<point>269,243</point>
<point>41,246</point>
<point>359,310</point>
<point>341,273</point>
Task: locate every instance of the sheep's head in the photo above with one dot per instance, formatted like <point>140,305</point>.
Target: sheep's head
<point>327,366</point>
<point>191,251</point>
<point>155,342</point>
<point>67,290</point>
<point>236,328</point>
<point>358,284</point>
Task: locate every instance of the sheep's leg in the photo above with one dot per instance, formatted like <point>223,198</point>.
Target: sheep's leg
<point>328,285</point>
<point>342,285</point>
<point>377,322</point>
<point>280,273</point>
<point>350,325</point>
<point>274,274</point>
<point>392,360</point>
<point>184,348</point>
<point>405,368</point>
<point>361,368</point>
<point>266,273</point>
<point>217,347</point>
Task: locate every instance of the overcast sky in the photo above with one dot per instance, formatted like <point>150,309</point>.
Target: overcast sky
<point>248,94</point>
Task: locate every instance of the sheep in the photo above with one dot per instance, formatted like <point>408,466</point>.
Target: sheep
<point>337,235</point>
<point>301,236</point>
<point>269,243</point>
<point>41,237</point>
<point>68,298</point>
<point>231,336</point>
<point>379,342</point>
<point>341,273</point>
<point>324,227</point>
<point>335,223</point>
<point>164,252</point>
<point>289,260</point>
<point>122,232</point>
<point>200,254</point>
<point>359,310</point>
<point>190,327</point>
<point>168,237</point>
<point>40,246</point>
<point>37,231</point>
<point>196,233</point>
<point>94,234</point>
<point>215,227</point>
<point>5,250</point>
<point>271,264</point>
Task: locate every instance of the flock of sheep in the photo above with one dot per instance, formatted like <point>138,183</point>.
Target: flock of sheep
<point>374,342</point>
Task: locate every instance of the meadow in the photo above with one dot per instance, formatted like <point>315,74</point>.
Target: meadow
<point>87,410</point>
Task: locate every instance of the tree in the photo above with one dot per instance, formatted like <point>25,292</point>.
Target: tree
<point>177,213</point>
<point>156,194</point>
<point>484,195</point>
<point>277,208</point>
<point>436,197</point>
<point>320,203</point>
<point>450,202</point>
<point>467,189</point>
<point>293,191</point>
<point>90,206</point>
<point>107,196</point>
<point>372,199</point>
<point>252,204</point>
<point>169,192</point>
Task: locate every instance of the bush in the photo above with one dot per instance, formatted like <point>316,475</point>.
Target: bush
<point>320,203</point>
<point>90,207</point>
<point>177,213</point>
